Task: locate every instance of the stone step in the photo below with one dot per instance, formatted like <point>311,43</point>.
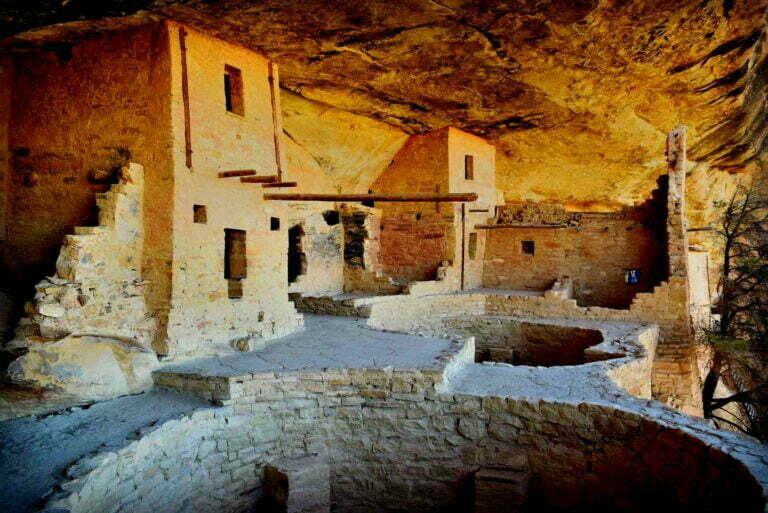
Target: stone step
<point>89,230</point>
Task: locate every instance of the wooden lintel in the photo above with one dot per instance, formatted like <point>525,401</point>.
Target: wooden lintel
<point>279,184</point>
<point>408,198</point>
<point>495,226</point>
<point>238,172</point>
<point>259,179</point>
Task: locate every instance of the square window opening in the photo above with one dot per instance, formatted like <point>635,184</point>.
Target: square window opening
<point>235,264</point>
<point>235,289</point>
<point>233,90</point>
<point>274,224</point>
<point>528,247</point>
<point>469,167</point>
<point>199,214</point>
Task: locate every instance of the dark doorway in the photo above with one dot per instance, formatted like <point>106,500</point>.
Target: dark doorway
<point>297,260</point>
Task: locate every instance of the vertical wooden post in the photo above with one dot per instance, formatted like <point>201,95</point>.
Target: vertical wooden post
<point>463,223</point>
<point>276,134</point>
<point>185,97</point>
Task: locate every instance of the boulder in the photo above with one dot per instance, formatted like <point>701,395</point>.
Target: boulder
<point>90,367</point>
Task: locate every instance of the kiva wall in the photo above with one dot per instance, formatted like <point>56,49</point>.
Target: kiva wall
<point>394,441</point>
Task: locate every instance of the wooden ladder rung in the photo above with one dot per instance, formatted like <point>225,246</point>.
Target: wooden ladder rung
<point>259,179</point>
<point>279,184</point>
<point>239,172</point>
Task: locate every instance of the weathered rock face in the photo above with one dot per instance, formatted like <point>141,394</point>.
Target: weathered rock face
<point>86,366</point>
<point>577,95</point>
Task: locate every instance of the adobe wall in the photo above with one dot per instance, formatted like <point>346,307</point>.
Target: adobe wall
<point>595,253</point>
<point>202,317</point>
<point>363,270</point>
<point>417,238</point>
<point>478,212</point>
<point>77,115</point>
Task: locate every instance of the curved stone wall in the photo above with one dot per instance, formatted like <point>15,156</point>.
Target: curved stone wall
<point>412,440</point>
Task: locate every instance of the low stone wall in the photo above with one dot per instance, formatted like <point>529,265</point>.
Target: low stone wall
<point>395,441</point>
<point>415,440</point>
<point>329,305</point>
<point>673,374</point>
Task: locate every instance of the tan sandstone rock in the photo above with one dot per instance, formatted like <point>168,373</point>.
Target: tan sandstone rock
<point>87,366</point>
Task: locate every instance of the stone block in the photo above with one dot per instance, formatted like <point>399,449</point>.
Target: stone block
<point>88,367</point>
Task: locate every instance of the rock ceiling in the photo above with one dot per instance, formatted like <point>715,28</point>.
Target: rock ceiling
<point>577,95</point>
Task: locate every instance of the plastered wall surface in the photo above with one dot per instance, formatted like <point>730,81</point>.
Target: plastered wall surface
<point>418,237</point>
<point>483,183</point>
<point>202,317</point>
<point>323,246</point>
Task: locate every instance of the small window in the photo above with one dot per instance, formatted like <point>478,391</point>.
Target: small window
<point>331,217</point>
<point>235,289</point>
<point>233,90</point>
<point>528,247</point>
<point>199,215</point>
<point>368,203</point>
<point>469,167</point>
<point>235,265</point>
<point>472,246</point>
<point>274,224</point>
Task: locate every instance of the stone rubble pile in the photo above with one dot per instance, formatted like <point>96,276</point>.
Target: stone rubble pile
<point>87,330</point>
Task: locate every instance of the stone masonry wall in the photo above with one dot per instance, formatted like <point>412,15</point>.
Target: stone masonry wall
<point>323,244</point>
<point>395,441</point>
<point>202,317</point>
<point>78,115</point>
<point>97,288</point>
<point>362,251</point>
<point>417,237</point>
<point>596,255</point>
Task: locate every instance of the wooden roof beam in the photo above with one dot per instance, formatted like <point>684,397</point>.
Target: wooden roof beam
<point>279,184</point>
<point>408,198</point>
<point>238,172</point>
<point>259,179</point>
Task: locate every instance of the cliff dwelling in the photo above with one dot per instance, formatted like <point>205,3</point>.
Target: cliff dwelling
<point>422,256</point>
